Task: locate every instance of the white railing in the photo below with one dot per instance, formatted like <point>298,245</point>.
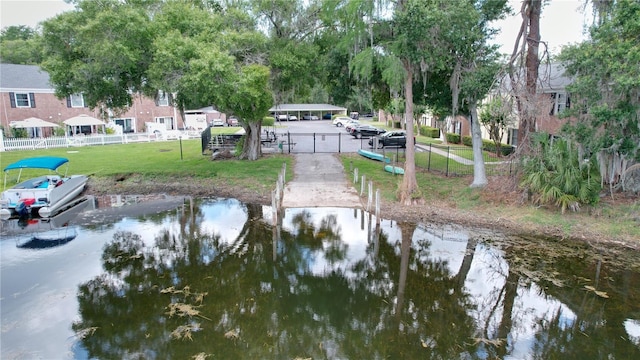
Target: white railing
<point>11,144</point>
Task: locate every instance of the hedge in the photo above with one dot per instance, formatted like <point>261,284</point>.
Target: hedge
<point>488,145</point>
<point>429,131</point>
<point>453,138</point>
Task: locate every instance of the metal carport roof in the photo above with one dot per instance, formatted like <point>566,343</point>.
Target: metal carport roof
<point>316,108</point>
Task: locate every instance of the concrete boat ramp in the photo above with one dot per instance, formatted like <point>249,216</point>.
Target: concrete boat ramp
<point>319,181</point>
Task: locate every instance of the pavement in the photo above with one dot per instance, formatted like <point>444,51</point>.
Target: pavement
<point>319,181</point>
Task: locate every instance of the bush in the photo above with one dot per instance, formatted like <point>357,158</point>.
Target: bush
<point>555,174</point>
<point>397,125</point>
<point>19,132</point>
<point>268,121</point>
<point>489,145</point>
<point>453,138</point>
<point>59,131</point>
<point>429,131</point>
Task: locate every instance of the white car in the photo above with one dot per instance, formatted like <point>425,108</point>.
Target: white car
<point>341,121</point>
<point>217,122</point>
<point>293,118</point>
<point>351,124</point>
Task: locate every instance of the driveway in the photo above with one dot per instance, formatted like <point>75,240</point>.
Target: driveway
<point>319,181</point>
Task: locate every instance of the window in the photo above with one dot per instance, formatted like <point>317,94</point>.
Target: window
<point>22,100</point>
<point>163,98</point>
<point>75,101</point>
<point>512,137</point>
<point>559,102</point>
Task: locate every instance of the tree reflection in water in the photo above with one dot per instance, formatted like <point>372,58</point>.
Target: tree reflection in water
<point>195,292</point>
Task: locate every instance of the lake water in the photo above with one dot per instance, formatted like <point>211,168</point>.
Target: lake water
<point>215,279</point>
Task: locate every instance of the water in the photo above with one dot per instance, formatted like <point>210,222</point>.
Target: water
<point>214,279</point>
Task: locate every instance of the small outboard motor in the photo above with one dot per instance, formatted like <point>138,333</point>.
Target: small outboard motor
<point>23,206</point>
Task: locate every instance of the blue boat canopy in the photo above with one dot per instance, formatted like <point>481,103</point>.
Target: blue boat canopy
<point>44,162</point>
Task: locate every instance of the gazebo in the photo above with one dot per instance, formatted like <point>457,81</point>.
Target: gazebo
<point>37,125</point>
<point>83,124</point>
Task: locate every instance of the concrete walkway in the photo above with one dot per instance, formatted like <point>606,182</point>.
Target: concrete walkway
<point>454,157</point>
<point>319,181</point>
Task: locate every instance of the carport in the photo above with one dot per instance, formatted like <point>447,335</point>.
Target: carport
<point>299,110</point>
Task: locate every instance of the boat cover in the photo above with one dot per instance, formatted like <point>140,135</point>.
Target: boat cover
<point>44,162</point>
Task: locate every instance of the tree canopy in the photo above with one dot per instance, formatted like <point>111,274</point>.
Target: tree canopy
<point>605,91</point>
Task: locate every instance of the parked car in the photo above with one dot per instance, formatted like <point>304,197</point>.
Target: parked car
<point>327,116</point>
<point>361,131</point>
<point>217,122</point>
<point>232,121</point>
<point>293,118</point>
<point>283,117</point>
<point>309,117</point>
<point>390,138</point>
<point>350,124</point>
<point>341,121</point>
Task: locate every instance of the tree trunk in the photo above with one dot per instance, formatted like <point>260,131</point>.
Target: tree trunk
<point>527,126</point>
<point>479,174</point>
<point>442,125</point>
<point>409,185</point>
<point>252,148</point>
<point>406,230</point>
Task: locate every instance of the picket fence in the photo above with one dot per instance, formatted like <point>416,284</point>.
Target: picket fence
<point>12,144</point>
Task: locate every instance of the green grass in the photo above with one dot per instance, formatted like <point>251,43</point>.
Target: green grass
<point>166,161</point>
<point>159,160</point>
<point>617,222</point>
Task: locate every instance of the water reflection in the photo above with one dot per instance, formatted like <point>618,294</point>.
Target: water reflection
<point>41,233</point>
<point>214,278</point>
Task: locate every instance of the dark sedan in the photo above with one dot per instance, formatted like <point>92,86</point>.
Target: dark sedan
<point>391,138</point>
<point>361,131</point>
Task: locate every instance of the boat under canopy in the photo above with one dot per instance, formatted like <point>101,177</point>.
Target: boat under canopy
<point>46,193</point>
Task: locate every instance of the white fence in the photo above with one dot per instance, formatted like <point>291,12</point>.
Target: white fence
<point>9,144</point>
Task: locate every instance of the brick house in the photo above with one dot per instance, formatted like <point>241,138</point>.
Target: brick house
<point>25,92</point>
<point>553,99</point>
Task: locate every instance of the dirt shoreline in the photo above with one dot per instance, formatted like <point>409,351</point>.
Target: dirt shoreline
<point>441,213</point>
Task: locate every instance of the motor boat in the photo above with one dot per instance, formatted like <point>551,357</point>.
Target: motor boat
<point>32,232</point>
<point>44,195</point>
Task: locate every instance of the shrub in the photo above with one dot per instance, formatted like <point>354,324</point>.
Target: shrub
<point>19,132</point>
<point>490,146</point>
<point>453,138</point>
<point>59,131</point>
<point>268,121</point>
<point>430,131</point>
<point>555,174</point>
<point>397,125</point>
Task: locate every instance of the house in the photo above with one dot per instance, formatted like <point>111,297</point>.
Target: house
<point>552,99</point>
<point>25,92</point>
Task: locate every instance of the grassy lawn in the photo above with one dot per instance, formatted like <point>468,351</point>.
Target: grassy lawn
<point>617,221</point>
<point>158,160</point>
<point>168,161</point>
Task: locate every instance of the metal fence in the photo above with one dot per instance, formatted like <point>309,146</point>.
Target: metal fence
<point>450,160</point>
<point>320,142</point>
<point>12,144</point>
